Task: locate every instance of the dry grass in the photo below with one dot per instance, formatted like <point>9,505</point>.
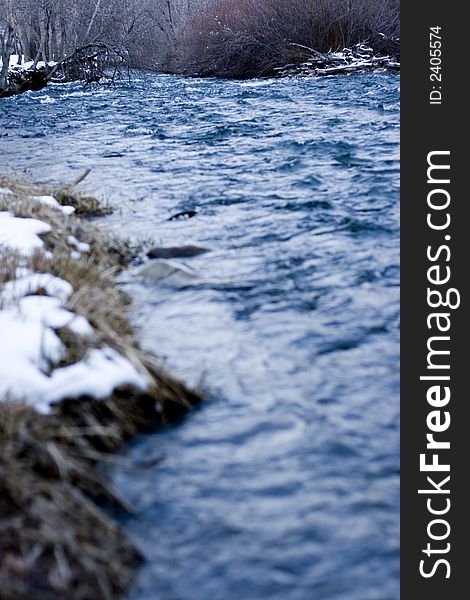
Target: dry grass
<point>56,541</point>
<point>67,195</point>
<point>9,262</point>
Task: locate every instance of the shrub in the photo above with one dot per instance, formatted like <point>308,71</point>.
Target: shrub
<point>249,38</point>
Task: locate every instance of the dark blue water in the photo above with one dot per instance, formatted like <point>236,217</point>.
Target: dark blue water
<point>284,485</point>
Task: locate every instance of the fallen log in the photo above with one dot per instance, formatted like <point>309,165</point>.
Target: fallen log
<point>24,80</point>
<point>89,63</point>
<point>350,60</point>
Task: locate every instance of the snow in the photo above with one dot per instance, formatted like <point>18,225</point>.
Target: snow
<point>51,202</point>
<point>25,354</point>
<point>30,346</point>
<point>81,327</point>
<point>21,234</point>
<point>28,283</point>
<point>79,246</point>
<point>26,335</point>
<point>97,375</point>
<point>48,311</point>
<point>14,64</point>
<point>32,310</point>
<point>13,60</point>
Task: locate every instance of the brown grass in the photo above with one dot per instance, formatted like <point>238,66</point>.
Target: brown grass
<point>55,542</point>
<point>67,195</point>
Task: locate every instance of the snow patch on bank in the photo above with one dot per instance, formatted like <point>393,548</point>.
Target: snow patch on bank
<point>27,283</point>
<point>21,235</point>
<point>17,63</point>
<point>51,202</point>
<point>32,311</point>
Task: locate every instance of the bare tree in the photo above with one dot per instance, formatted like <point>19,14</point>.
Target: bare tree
<point>7,37</point>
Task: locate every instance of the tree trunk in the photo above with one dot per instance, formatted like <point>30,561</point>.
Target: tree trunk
<point>7,51</point>
<point>43,31</point>
<point>92,21</point>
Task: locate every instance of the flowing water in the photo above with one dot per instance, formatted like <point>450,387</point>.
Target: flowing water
<point>284,484</point>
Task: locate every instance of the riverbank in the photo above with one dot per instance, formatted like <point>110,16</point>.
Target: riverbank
<point>93,62</point>
<point>25,77</point>
<point>74,385</point>
<point>361,58</point>
<point>379,54</point>
<point>358,59</point>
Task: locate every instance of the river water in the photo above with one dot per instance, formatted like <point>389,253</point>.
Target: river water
<point>284,484</point>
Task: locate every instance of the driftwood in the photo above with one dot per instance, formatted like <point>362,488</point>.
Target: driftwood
<point>359,58</point>
<point>90,63</point>
<point>23,80</point>
<point>71,186</point>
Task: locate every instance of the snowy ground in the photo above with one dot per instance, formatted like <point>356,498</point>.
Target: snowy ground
<point>33,307</point>
<point>18,63</point>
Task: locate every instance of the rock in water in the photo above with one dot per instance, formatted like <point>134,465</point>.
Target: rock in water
<point>187,214</point>
<point>170,272</point>
<point>178,275</point>
<point>176,251</point>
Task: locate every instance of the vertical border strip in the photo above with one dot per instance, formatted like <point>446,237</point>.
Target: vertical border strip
<point>435,423</point>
